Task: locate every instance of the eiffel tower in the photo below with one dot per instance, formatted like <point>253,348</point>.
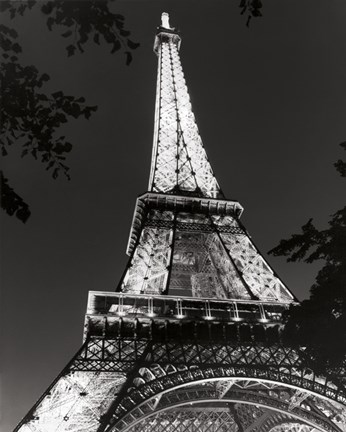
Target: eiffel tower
<point>191,339</point>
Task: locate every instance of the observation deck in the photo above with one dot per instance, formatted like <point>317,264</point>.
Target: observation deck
<point>179,203</point>
<point>114,314</point>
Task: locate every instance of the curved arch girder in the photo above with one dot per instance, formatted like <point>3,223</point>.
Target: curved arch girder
<point>170,364</point>
<point>256,392</point>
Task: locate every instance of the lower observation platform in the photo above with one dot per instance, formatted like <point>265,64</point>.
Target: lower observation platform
<point>106,310</point>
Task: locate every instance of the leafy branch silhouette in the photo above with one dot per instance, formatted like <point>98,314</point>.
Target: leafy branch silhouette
<point>250,8</point>
<point>319,323</point>
<point>31,117</point>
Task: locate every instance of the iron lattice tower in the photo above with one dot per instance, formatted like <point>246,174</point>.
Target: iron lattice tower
<point>190,341</point>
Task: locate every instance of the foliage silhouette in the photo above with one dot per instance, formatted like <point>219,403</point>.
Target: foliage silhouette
<point>13,203</point>
<point>30,116</point>
<point>252,8</point>
<point>319,323</point>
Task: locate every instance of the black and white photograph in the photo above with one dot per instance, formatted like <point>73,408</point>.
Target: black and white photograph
<point>173,248</point>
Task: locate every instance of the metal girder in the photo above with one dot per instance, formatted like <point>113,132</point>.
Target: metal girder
<point>204,419</point>
<point>294,427</point>
<point>258,422</point>
<point>297,399</point>
<point>189,421</point>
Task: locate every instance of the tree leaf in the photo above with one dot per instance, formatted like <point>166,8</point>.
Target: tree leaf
<point>67,33</point>
<point>124,33</point>
<point>80,47</point>
<point>55,173</point>
<point>45,77</point>
<point>58,95</point>
<point>70,50</point>
<point>47,8</point>
<point>97,38</point>
<point>50,22</point>
<point>128,57</point>
<point>51,163</point>
<point>116,46</point>
<point>67,147</point>
<point>132,45</point>
<point>16,48</point>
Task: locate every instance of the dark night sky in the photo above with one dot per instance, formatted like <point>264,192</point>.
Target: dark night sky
<point>270,103</point>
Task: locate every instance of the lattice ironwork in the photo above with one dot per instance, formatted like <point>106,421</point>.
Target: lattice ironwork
<point>191,341</point>
<point>179,160</point>
<point>228,417</point>
<point>294,427</point>
<point>148,268</point>
<point>184,253</point>
<point>203,420</point>
<point>200,419</point>
<point>256,272</point>
<point>75,402</point>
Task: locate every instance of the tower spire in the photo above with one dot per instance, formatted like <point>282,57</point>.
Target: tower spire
<point>179,162</point>
<point>165,21</point>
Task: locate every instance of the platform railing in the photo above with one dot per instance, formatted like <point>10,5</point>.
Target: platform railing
<point>173,307</point>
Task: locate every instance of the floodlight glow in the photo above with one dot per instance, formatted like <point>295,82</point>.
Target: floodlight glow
<point>121,313</point>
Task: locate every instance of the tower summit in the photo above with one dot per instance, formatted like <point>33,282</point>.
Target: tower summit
<point>191,338</point>
<point>179,162</point>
